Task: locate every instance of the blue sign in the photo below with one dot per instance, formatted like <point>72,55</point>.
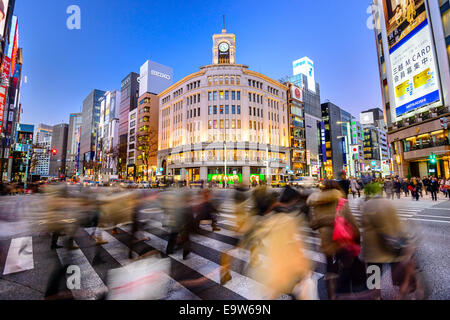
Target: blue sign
<point>373,163</point>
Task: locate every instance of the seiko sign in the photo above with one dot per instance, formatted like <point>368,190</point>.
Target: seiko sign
<point>160,74</point>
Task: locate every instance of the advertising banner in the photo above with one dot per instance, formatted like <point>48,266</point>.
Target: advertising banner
<point>411,51</point>
<point>296,93</point>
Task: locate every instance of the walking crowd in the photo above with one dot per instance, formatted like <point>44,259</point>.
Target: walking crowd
<point>272,227</point>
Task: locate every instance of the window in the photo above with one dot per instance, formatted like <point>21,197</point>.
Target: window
<point>250,124</point>
<point>198,97</point>
<point>221,95</point>
<point>233,124</point>
<point>227,109</point>
<point>215,109</point>
<point>210,110</point>
<point>215,124</point>
<point>233,95</point>
<point>221,109</point>
<point>132,124</point>
<point>227,95</point>
<point>221,124</point>
<point>239,124</point>
<point>238,109</point>
<point>132,131</point>
<point>210,124</point>
<point>190,114</point>
<point>215,95</point>
<point>133,116</point>
<point>187,114</point>
<point>226,124</point>
<point>195,112</point>
<point>250,97</point>
<point>238,95</point>
<point>209,96</point>
<point>249,111</point>
<point>254,112</point>
<point>258,112</point>
<point>233,109</point>
<point>198,112</point>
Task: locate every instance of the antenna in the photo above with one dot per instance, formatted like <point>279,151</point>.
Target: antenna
<point>223,28</point>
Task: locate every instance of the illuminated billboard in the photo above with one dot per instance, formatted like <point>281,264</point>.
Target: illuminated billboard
<point>305,66</point>
<point>154,78</point>
<point>296,93</point>
<point>411,51</point>
<point>3,15</point>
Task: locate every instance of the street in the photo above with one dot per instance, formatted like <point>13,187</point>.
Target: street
<point>27,262</point>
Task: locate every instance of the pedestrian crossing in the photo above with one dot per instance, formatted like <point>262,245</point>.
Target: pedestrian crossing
<point>194,278</point>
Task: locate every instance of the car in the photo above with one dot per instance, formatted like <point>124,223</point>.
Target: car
<point>306,182</point>
<point>278,183</point>
<point>143,185</point>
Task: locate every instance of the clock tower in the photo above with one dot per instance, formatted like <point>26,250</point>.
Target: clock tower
<point>224,49</point>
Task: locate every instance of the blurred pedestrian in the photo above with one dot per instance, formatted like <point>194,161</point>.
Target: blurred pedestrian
<point>389,188</point>
<point>354,186</point>
<point>327,204</point>
<point>433,188</point>
<point>344,183</point>
<point>397,187</point>
<point>206,210</point>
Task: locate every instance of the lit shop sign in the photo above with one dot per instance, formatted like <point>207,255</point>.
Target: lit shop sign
<point>232,178</point>
<point>324,148</point>
<point>296,93</point>
<point>160,74</point>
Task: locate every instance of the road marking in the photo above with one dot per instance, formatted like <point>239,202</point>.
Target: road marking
<point>91,284</point>
<point>441,221</point>
<point>429,216</point>
<point>119,252</point>
<point>20,255</point>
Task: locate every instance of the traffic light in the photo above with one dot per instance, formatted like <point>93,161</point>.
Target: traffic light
<point>54,152</point>
<point>432,158</point>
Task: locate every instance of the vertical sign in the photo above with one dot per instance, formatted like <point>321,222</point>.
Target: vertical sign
<point>324,148</point>
<point>4,87</point>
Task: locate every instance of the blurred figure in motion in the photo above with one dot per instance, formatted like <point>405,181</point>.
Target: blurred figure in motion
<point>397,187</point>
<point>344,183</point>
<point>181,224</point>
<point>387,242</point>
<point>341,260</point>
<point>433,187</point>
<point>206,210</point>
<point>285,265</point>
<point>389,188</point>
<point>354,186</point>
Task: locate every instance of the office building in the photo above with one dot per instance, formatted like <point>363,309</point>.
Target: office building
<point>59,143</point>
<point>73,144</point>
<point>129,94</point>
<point>91,119</point>
<point>41,154</point>
<point>108,134</point>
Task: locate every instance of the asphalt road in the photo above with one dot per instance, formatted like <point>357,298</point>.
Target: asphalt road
<point>27,262</point>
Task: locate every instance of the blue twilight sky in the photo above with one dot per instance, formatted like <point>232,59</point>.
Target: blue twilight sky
<point>62,66</point>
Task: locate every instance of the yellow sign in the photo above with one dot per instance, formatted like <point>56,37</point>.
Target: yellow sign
<point>398,159</point>
<point>400,90</point>
<point>422,78</point>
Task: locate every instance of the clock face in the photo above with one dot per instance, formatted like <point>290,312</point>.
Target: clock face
<point>223,47</point>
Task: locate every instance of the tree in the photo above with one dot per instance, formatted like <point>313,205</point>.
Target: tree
<point>147,146</point>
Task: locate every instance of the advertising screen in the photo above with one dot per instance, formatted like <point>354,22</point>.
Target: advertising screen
<point>411,51</point>
<point>297,93</point>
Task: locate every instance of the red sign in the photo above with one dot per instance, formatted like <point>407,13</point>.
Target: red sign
<point>298,94</point>
<point>14,51</point>
<point>3,87</point>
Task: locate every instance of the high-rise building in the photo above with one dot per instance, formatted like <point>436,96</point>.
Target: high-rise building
<point>73,144</point>
<point>303,78</point>
<point>129,93</point>
<point>224,120</point>
<point>91,119</point>
<point>341,142</point>
<point>59,144</point>
<point>413,47</point>
<point>41,154</point>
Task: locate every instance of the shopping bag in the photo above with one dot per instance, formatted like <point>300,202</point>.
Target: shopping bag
<point>307,289</point>
<point>145,279</point>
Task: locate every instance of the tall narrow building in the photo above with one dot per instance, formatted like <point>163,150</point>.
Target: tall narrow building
<point>91,119</point>
<point>73,144</point>
<point>59,144</point>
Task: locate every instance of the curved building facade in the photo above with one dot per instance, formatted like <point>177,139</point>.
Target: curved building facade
<point>222,119</point>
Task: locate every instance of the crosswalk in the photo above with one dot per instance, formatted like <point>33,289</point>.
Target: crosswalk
<point>194,278</point>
